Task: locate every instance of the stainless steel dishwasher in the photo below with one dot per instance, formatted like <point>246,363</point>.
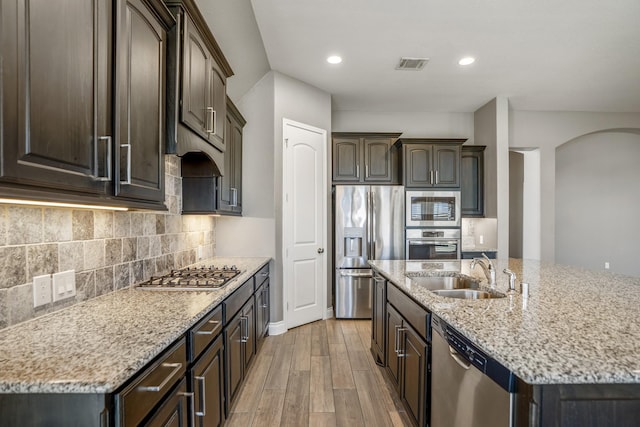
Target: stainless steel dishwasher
<point>468,388</point>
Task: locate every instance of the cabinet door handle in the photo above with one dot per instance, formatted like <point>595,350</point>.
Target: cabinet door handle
<point>431,177</point>
<point>192,398</point>
<point>396,337</point>
<point>176,368</point>
<point>401,352</point>
<point>127,181</point>
<point>216,324</point>
<point>357,171</point>
<point>366,171</point>
<point>436,182</point>
<point>203,400</point>
<point>233,197</point>
<point>211,122</point>
<point>265,295</point>
<point>244,326</point>
<point>107,163</point>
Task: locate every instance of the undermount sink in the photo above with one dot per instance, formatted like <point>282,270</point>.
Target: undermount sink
<point>444,283</point>
<point>455,287</point>
<point>467,293</point>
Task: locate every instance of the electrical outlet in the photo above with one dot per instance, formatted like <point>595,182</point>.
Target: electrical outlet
<point>41,290</point>
<point>606,265</point>
<point>481,239</point>
<point>64,285</point>
<point>199,252</point>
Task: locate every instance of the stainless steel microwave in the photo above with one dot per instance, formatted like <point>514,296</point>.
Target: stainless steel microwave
<point>432,209</point>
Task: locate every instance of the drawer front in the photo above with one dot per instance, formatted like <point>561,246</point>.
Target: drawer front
<point>203,334</point>
<point>262,275</point>
<point>233,303</point>
<point>148,388</point>
<point>417,316</point>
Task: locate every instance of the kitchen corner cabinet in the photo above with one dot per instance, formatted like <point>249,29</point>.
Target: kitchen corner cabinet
<point>198,72</point>
<point>365,157</point>
<point>472,180</point>
<point>69,133</point>
<point>230,183</point>
<point>378,317</point>
<point>431,163</point>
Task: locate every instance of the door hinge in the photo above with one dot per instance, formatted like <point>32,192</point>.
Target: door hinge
<point>286,142</point>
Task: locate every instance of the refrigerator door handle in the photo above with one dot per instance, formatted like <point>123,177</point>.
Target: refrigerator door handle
<point>372,236</point>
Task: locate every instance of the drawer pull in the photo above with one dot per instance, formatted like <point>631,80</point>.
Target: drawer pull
<point>176,368</point>
<point>216,324</point>
<point>265,274</point>
<point>202,399</point>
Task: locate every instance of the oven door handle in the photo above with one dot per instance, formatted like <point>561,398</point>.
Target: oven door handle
<point>433,242</point>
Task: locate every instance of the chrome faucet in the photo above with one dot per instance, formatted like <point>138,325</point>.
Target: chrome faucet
<point>487,267</point>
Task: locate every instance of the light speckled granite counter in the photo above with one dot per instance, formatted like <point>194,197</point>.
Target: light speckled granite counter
<point>95,346</point>
<point>576,327</point>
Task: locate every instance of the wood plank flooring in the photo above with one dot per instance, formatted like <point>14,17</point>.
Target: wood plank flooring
<point>321,375</point>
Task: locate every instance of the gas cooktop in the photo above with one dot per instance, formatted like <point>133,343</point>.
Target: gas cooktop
<point>192,279</point>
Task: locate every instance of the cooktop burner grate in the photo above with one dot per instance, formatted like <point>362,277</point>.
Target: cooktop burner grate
<point>193,278</point>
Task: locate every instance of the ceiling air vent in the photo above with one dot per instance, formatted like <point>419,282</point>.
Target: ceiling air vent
<point>415,64</point>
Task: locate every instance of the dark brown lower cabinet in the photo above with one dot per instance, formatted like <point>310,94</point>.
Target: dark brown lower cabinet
<point>174,411</point>
<point>378,315</point>
<point>262,314</point>
<point>207,379</point>
<point>408,366</point>
<point>394,324</point>
<point>415,374</point>
<point>239,337</point>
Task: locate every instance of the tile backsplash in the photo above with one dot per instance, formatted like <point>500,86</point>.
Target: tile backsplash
<point>108,250</point>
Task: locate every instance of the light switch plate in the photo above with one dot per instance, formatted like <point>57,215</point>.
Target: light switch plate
<point>41,290</point>
<point>64,285</point>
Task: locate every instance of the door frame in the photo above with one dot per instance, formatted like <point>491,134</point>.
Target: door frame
<point>286,216</point>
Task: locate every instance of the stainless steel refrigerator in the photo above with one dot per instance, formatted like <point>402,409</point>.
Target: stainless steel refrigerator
<point>369,224</point>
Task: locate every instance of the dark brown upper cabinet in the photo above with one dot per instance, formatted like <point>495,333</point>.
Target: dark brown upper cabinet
<point>472,184</point>
<point>365,157</point>
<point>69,133</point>
<point>431,163</point>
<point>197,78</point>
<point>140,102</point>
<point>230,183</point>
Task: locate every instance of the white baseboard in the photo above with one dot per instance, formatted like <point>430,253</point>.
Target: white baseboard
<point>329,313</point>
<point>277,328</point>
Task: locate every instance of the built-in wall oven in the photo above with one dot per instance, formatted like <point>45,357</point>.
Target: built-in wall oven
<point>432,243</point>
<point>432,209</point>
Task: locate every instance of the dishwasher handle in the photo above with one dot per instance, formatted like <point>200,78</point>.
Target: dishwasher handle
<point>459,359</point>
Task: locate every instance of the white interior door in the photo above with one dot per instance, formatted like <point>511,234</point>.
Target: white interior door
<point>304,223</point>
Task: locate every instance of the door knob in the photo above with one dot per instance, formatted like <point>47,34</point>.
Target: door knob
<point>320,250</point>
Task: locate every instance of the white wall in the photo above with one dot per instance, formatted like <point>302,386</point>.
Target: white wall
<point>298,101</point>
<point>253,234</point>
<point>491,123</point>
<point>531,205</point>
<point>598,202</point>
<point>547,130</point>
<point>259,231</point>
<point>411,124</point>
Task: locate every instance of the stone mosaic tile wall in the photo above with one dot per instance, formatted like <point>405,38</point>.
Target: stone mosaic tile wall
<point>108,250</point>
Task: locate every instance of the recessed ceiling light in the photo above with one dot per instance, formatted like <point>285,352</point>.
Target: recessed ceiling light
<point>334,59</point>
<point>467,60</point>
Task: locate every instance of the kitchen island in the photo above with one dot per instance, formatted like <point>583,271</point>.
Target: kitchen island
<point>94,348</point>
<point>574,339</point>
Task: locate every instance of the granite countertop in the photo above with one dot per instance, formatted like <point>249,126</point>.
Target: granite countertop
<point>576,327</point>
<point>96,345</point>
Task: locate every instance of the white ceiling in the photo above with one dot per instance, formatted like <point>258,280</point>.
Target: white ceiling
<point>571,55</point>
